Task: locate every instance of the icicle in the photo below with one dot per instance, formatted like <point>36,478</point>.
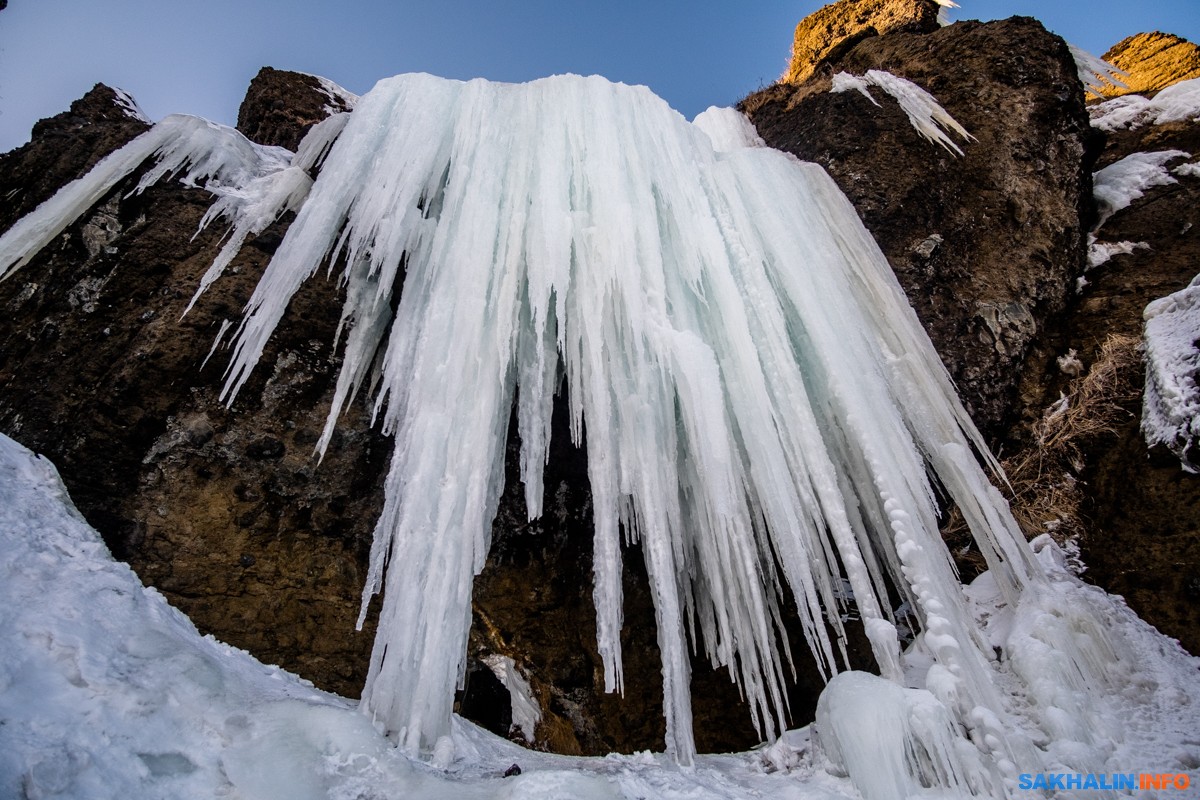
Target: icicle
<point>760,400</point>
<point>924,112</point>
<point>199,150</point>
<point>1095,73</point>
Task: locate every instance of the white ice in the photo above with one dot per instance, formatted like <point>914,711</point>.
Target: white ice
<point>943,17</point>
<point>728,129</point>
<point>1095,73</point>
<point>524,706</point>
<point>198,151</point>
<point>924,112</point>
<point>1171,403</point>
<point>762,407</point>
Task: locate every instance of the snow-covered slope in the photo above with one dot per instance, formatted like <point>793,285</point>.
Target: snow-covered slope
<point>108,692</point>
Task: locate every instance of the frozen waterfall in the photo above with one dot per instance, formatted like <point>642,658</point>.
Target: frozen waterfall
<point>761,405</point>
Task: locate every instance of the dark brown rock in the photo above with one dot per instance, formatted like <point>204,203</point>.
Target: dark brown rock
<point>1154,61</point>
<point>986,245</point>
<point>1143,509</point>
<point>63,148</point>
<point>823,36</point>
<point>224,510</point>
<point>281,106</point>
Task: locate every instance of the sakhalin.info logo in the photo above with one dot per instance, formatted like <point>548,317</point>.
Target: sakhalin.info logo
<point>1117,780</point>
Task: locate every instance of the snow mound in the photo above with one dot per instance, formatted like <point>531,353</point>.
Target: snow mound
<point>1178,102</point>
<point>1171,404</point>
<point>924,112</point>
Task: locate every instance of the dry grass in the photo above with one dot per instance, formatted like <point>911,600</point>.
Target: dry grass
<point>1044,477</point>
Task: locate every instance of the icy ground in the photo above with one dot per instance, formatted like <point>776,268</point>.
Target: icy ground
<point>108,692</point>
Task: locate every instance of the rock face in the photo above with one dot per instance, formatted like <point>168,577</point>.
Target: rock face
<point>1154,61</point>
<point>281,106</point>
<point>1144,541</point>
<point>221,509</point>
<point>823,36</point>
<point>63,148</point>
<point>986,245</point>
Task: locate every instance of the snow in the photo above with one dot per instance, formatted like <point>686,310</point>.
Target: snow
<point>1171,403</point>
<point>340,99</point>
<point>1189,170</point>
<point>1178,102</point>
<point>108,692</point>
<point>1101,252</point>
<point>763,411</point>
<point>924,112</point>
<point>1095,73</point>
<point>1116,186</point>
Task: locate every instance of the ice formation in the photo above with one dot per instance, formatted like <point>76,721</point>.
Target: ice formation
<point>943,16</point>
<point>1171,404</point>
<point>911,743</point>
<point>199,151</point>
<point>762,407</point>
<point>524,707</point>
<point>1095,73</point>
<point>924,112</point>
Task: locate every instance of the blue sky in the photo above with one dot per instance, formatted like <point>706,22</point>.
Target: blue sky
<point>197,57</point>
